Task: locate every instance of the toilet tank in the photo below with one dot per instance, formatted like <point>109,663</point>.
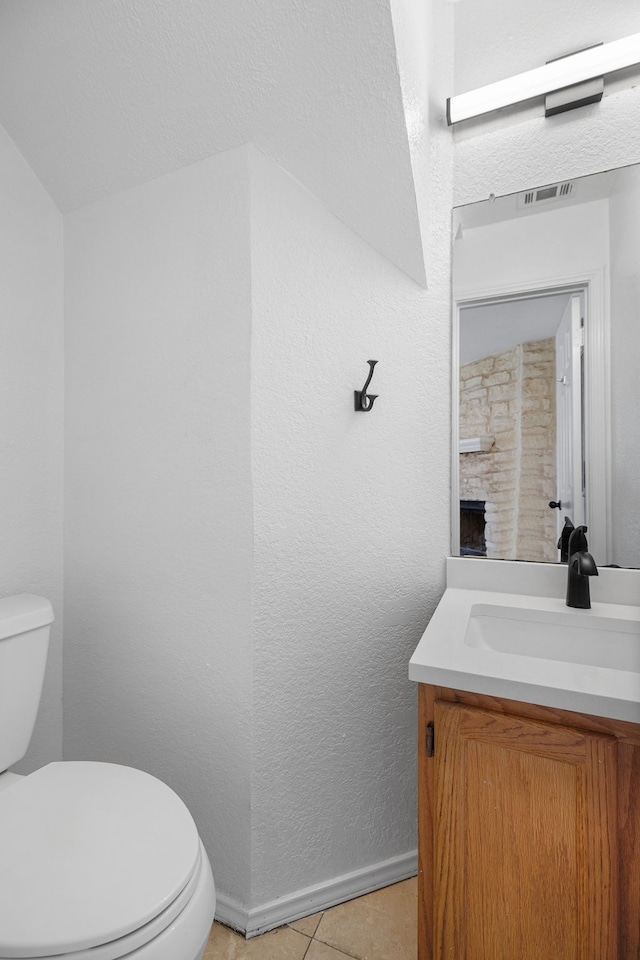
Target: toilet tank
<point>24,640</point>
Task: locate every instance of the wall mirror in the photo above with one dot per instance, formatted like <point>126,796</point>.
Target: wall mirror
<point>546,370</point>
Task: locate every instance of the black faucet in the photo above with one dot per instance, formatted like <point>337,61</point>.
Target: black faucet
<point>581,567</point>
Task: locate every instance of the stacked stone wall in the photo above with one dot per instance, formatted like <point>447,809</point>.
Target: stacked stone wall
<point>510,396</point>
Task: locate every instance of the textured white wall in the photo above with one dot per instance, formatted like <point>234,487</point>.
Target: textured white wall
<point>350,534</point>
<point>31,369</point>
<point>351,511</point>
<point>350,515</point>
<point>158,495</point>
<point>552,244</point>
<point>624,214</point>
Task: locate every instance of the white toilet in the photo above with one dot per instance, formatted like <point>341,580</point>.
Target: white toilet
<point>97,861</point>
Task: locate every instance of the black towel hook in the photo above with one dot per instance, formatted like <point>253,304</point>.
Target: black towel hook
<point>361,400</point>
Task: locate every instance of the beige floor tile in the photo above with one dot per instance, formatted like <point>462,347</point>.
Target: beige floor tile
<point>379,926</point>
<point>281,944</point>
<point>320,951</point>
<point>307,925</point>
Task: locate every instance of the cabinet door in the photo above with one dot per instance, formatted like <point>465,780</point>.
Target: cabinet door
<point>525,839</point>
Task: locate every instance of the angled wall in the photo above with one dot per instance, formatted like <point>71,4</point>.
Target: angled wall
<point>105,95</point>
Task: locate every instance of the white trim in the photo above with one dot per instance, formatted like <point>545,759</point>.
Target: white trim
<point>455,429</point>
<point>230,912</point>
<point>557,74</point>
<point>597,351</point>
<point>597,395</point>
<point>321,896</point>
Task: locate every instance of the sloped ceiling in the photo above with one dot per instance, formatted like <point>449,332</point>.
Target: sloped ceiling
<point>100,95</point>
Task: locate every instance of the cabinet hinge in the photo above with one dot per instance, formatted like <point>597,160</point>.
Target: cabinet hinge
<point>430,741</point>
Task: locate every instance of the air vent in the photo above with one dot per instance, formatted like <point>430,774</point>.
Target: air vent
<point>550,194</point>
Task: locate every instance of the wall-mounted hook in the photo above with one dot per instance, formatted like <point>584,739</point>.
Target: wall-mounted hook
<point>361,400</point>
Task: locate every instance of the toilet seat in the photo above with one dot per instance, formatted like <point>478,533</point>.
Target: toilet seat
<point>95,857</point>
<point>124,947</point>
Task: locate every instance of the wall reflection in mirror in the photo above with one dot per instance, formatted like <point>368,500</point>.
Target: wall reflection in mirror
<point>546,290</point>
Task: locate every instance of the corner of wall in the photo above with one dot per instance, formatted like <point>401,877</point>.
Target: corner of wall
<point>424,49</point>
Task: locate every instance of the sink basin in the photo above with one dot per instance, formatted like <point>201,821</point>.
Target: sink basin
<point>571,636</point>
<point>503,629</point>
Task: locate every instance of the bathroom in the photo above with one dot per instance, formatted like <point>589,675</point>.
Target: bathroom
<point>211,221</point>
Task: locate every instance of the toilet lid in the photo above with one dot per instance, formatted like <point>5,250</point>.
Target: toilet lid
<point>88,852</point>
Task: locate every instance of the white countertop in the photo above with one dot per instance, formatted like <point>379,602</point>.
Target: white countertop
<point>443,658</point>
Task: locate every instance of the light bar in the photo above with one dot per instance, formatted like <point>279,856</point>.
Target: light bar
<point>576,68</point>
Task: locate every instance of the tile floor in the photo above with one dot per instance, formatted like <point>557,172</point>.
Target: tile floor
<point>378,926</point>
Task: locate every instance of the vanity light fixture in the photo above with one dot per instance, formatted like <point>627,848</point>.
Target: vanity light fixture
<point>577,70</point>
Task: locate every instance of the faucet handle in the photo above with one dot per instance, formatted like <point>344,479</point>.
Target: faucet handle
<point>563,540</point>
<point>578,541</point>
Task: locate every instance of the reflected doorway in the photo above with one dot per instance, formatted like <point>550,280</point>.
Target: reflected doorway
<point>521,422</point>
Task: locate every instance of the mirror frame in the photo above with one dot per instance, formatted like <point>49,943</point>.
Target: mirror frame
<point>597,398</point>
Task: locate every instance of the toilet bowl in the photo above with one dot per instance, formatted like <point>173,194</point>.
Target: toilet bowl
<point>97,861</point>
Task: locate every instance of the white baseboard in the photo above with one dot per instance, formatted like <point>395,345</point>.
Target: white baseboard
<point>230,912</point>
<point>313,899</point>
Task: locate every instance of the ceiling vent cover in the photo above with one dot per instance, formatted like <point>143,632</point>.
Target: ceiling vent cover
<point>550,194</point>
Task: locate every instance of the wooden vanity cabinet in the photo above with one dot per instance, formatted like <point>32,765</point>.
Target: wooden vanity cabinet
<point>529,831</point>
